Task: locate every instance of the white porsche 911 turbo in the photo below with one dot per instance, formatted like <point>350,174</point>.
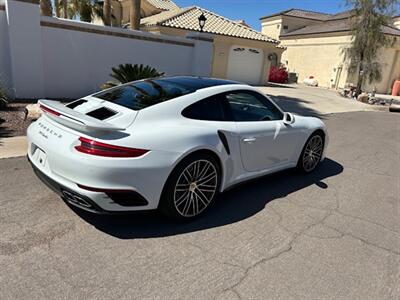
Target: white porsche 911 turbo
<point>170,143</point>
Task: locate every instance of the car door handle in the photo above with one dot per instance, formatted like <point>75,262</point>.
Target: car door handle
<point>249,140</point>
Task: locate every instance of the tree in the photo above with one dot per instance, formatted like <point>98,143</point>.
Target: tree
<point>57,8</point>
<point>46,8</point>
<point>85,10</point>
<point>368,19</point>
<point>65,8</point>
<point>61,8</point>
<point>135,14</point>
<point>107,12</point>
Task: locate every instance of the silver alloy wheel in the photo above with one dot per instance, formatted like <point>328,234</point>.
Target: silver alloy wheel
<point>312,153</point>
<point>195,188</point>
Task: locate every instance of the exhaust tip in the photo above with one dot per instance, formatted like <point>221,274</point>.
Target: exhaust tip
<point>76,199</point>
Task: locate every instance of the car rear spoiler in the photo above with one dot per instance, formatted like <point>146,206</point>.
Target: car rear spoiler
<point>72,118</point>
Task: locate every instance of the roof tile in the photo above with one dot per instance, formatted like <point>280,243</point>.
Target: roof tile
<point>163,4</point>
<point>187,18</point>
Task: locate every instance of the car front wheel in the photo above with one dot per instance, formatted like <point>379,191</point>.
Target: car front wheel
<point>312,153</point>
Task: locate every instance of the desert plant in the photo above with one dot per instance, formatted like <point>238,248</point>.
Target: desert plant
<point>3,97</point>
<point>278,74</point>
<point>368,38</point>
<point>128,72</point>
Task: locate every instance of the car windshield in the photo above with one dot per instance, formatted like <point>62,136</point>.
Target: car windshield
<point>142,94</point>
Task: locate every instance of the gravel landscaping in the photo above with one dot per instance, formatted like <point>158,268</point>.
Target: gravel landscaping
<point>12,120</point>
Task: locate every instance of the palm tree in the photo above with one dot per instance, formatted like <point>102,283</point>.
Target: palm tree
<point>65,8</point>
<point>85,10</point>
<point>61,8</point>
<point>135,14</point>
<point>57,8</point>
<point>46,8</point>
<point>107,12</point>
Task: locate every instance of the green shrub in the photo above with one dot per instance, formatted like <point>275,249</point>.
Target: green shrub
<point>128,72</point>
<point>3,97</point>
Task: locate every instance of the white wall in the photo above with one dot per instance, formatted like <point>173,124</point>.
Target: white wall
<point>56,58</point>
<point>77,63</point>
<point>5,72</point>
<point>23,20</point>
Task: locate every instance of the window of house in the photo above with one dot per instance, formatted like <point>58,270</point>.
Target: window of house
<point>285,27</point>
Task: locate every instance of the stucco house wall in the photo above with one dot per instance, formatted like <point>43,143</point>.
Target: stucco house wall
<point>222,46</point>
<point>390,63</point>
<point>319,56</point>
<point>322,56</point>
<point>276,26</point>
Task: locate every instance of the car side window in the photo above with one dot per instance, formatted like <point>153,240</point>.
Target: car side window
<point>248,106</point>
<point>209,109</point>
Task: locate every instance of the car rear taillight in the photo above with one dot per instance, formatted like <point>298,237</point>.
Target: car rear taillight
<point>100,149</point>
<point>49,110</point>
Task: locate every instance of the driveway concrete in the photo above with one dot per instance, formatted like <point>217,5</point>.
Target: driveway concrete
<point>304,100</point>
<point>13,146</point>
<point>333,234</point>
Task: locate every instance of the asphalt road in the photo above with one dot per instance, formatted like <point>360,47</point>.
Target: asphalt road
<point>334,234</point>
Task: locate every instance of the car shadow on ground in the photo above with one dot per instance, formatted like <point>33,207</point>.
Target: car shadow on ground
<point>233,206</point>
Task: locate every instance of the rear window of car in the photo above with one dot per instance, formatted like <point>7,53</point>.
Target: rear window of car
<point>142,94</point>
<point>209,109</point>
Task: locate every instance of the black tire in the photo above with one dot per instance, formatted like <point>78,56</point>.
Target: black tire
<point>177,194</point>
<point>317,141</point>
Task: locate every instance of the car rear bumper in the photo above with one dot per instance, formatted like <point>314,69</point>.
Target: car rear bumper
<point>66,194</point>
<point>108,185</point>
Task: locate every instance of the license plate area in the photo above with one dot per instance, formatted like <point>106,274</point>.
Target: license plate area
<point>39,156</point>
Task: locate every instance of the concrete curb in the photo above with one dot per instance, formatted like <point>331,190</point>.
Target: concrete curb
<point>13,147</point>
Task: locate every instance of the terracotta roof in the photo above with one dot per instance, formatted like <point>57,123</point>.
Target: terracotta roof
<point>187,18</point>
<point>163,4</point>
<point>300,13</point>
<point>339,25</point>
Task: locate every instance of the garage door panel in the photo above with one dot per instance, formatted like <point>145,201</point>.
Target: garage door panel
<point>245,64</point>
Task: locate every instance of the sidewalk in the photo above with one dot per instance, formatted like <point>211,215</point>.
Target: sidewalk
<point>13,147</point>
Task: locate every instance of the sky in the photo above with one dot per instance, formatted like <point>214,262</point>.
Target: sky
<point>252,10</point>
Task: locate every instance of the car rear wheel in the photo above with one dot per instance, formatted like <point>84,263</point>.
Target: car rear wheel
<point>192,187</point>
<point>312,153</point>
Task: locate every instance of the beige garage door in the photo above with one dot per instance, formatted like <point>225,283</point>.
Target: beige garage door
<point>245,64</point>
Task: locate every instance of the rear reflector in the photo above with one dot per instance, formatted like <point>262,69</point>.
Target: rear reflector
<point>98,190</point>
<point>49,110</point>
<point>121,197</point>
<point>100,149</point>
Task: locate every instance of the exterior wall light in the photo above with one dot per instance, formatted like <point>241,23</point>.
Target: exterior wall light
<point>202,21</point>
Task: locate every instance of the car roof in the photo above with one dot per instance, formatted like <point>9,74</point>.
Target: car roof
<point>141,94</point>
<point>197,83</point>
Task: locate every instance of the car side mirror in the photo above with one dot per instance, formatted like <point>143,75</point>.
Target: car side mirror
<point>288,118</point>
